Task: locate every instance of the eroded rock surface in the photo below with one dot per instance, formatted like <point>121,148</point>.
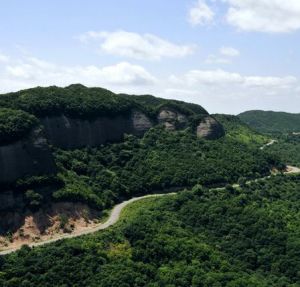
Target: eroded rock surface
<point>172,119</point>
<point>210,128</point>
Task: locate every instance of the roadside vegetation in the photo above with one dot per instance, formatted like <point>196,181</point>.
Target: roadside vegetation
<point>230,237</point>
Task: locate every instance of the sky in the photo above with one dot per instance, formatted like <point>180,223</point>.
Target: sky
<point>227,55</point>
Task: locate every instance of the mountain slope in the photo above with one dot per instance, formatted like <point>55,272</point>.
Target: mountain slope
<point>271,122</point>
<point>107,148</point>
<point>229,237</point>
<point>236,129</point>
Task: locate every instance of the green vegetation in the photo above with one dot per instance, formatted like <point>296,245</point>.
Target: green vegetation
<point>271,122</point>
<point>287,147</point>
<point>248,236</point>
<point>153,104</point>
<point>79,101</point>
<point>161,160</point>
<point>75,100</point>
<point>238,130</point>
<point>245,237</point>
<point>15,124</point>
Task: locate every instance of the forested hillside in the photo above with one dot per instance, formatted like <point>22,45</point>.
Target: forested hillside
<point>159,161</point>
<point>287,147</point>
<point>81,102</point>
<point>230,237</point>
<point>271,122</point>
<point>238,130</point>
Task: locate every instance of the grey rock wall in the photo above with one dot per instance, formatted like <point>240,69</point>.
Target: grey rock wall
<point>27,157</point>
<point>172,119</point>
<point>210,128</point>
<point>69,133</point>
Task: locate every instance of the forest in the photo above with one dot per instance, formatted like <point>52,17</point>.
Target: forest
<point>78,101</point>
<point>231,237</point>
<point>15,124</point>
<point>287,147</point>
<point>160,161</point>
<point>271,122</point>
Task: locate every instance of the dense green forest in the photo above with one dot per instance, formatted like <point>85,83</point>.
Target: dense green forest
<point>271,122</point>
<point>224,237</point>
<point>81,102</point>
<point>159,161</point>
<point>287,147</point>
<point>15,124</point>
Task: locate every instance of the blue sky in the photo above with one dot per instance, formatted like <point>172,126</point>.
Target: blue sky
<point>227,55</point>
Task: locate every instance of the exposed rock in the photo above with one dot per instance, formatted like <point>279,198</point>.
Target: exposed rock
<point>140,122</point>
<point>27,157</point>
<point>69,133</point>
<point>172,119</point>
<point>209,128</point>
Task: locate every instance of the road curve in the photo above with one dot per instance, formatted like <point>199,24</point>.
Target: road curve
<point>115,215</point>
<point>113,218</point>
<point>271,142</point>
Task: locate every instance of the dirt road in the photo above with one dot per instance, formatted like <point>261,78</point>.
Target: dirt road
<point>113,218</point>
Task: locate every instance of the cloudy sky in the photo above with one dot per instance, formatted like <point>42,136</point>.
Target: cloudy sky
<point>227,55</point>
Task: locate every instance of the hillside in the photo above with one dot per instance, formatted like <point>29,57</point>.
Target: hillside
<point>271,122</point>
<point>90,148</point>
<point>236,129</point>
<point>230,237</point>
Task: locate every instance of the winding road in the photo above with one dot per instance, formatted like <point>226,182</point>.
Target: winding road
<point>268,144</point>
<point>116,212</point>
<point>113,218</point>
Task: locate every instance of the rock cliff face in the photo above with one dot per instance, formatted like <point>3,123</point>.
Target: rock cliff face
<point>68,133</point>
<point>32,156</point>
<point>172,119</point>
<point>209,128</point>
<point>28,157</point>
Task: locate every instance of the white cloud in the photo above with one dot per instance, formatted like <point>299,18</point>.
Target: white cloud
<point>213,59</point>
<point>229,51</point>
<point>220,77</point>
<point>137,46</point>
<point>273,16</point>
<point>217,90</point>
<point>3,58</point>
<point>30,71</point>
<point>200,14</point>
<point>224,57</point>
<point>229,92</point>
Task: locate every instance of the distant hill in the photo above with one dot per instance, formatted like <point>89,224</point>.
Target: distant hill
<point>238,130</point>
<point>271,122</point>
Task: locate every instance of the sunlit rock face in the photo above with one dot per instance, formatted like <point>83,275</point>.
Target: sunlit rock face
<point>30,156</point>
<point>210,128</point>
<point>172,119</point>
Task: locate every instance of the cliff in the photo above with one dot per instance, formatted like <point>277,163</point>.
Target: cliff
<point>77,117</point>
<point>70,133</point>
<point>29,156</point>
<point>210,128</point>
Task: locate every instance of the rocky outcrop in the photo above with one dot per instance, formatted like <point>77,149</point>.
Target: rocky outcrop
<point>30,156</point>
<point>172,119</point>
<point>140,123</point>
<point>210,128</point>
<point>69,133</point>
